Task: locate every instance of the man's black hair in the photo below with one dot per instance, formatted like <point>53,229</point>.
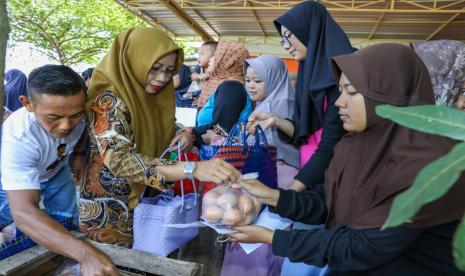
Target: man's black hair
<point>55,80</point>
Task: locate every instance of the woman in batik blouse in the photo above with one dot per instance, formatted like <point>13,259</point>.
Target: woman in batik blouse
<point>131,109</point>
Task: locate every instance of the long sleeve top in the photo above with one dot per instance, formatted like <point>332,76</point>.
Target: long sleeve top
<point>112,136</point>
<point>230,105</point>
<point>313,172</point>
<point>346,251</point>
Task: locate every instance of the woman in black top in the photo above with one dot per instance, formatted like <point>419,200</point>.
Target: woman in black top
<point>312,37</point>
<point>372,164</point>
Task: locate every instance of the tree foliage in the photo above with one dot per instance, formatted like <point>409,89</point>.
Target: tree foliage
<point>434,180</point>
<point>69,31</point>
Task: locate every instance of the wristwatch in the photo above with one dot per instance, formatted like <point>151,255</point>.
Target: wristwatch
<point>189,168</point>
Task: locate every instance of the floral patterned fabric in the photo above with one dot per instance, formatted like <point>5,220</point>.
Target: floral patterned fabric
<point>227,64</point>
<point>103,205</point>
<point>445,60</point>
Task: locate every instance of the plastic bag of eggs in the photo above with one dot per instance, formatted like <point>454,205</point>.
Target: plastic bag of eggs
<point>229,206</point>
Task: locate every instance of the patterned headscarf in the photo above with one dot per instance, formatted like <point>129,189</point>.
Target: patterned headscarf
<point>228,64</point>
<point>445,60</point>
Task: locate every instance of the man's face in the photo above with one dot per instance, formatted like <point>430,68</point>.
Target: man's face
<point>58,115</point>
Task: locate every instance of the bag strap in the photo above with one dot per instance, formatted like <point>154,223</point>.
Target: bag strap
<point>167,150</point>
<point>260,137</point>
<point>182,181</point>
<point>232,132</point>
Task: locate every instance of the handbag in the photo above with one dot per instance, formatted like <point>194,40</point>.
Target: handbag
<point>260,157</point>
<point>152,213</point>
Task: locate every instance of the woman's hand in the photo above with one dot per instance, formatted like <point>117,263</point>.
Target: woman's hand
<point>264,119</point>
<point>256,188</point>
<point>217,171</point>
<point>207,137</point>
<point>297,186</point>
<point>252,234</point>
<point>184,138</point>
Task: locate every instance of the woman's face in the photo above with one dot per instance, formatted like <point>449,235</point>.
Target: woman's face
<point>255,85</point>
<point>351,107</point>
<point>291,44</point>
<point>161,73</point>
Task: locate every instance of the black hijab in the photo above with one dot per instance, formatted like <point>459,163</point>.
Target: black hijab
<point>311,23</point>
<point>184,84</point>
<point>16,85</point>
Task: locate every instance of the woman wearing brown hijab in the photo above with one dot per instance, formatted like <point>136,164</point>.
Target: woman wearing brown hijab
<point>372,164</point>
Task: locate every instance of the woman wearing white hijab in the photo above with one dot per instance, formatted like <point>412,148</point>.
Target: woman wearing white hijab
<point>269,87</point>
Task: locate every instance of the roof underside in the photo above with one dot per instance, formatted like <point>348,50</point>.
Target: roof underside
<point>251,21</point>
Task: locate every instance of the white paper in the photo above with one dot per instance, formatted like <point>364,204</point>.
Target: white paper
<point>268,220</point>
<point>265,219</point>
<point>186,116</point>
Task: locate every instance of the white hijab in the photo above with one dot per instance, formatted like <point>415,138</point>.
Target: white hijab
<point>279,99</point>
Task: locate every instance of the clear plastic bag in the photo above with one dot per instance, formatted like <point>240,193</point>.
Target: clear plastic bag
<point>225,205</point>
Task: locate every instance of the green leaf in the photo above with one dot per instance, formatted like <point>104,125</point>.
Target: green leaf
<point>431,183</point>
<point>434,119</point>
<point>459,245</point>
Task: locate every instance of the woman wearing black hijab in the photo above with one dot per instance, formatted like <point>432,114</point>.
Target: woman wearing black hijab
<point>312,37</point>
<point>372,164</point>
<point>182,82</point>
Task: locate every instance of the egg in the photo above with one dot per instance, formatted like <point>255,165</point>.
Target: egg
<point>248,219</point>
<point>245,204</point>
<point>231,217</point>
<point>210,198</point>
<point>227,201</point>
<point>212,214</point>
<point>257,203</point>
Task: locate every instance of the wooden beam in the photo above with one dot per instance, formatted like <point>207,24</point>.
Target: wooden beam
<point>443,26</point>
<point>348,10</point>
<point>149,263</point>
<point>146,17</point>
<point>187,19</point>
<point>257,19</point>
<point>380,19</point>
<point>206,22</point>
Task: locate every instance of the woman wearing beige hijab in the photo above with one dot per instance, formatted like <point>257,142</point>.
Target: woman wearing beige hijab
<point>131,109</point>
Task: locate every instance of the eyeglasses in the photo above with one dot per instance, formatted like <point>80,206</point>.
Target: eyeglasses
<point>158,71</point>
<point>285,40</point>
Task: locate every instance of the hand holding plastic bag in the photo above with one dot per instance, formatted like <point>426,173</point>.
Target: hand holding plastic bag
<point>225,205</point>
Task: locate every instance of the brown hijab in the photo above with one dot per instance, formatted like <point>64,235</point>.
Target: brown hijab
<point>228,64</point>
<point>369,169</point>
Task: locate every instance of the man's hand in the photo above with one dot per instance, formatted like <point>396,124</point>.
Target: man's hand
<point>256,188</point>
<point>264,119</point>
<point>47,232</point>
<point>96,262</point>
<point>184,138</point>
<point>78,168</point>
<point>252,234</point>
<point>217,171</point>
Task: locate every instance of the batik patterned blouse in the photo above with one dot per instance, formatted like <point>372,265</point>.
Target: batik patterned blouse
<point>114,163</point>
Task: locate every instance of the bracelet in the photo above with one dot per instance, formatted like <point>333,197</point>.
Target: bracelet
<point>79,153</point>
